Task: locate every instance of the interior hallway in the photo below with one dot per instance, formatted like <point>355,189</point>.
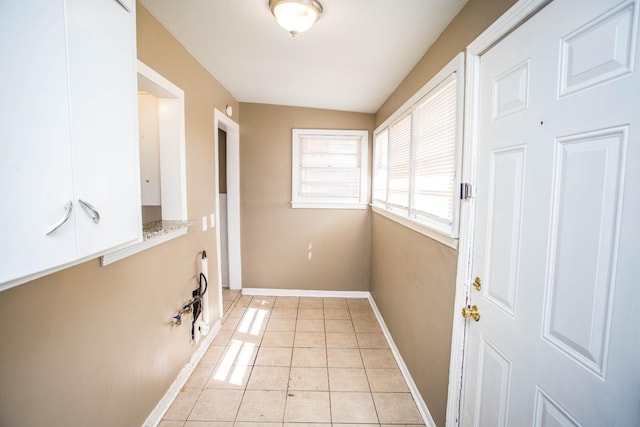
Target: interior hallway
<point>282,360</point>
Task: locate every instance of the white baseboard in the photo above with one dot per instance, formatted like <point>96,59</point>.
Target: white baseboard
<point>303,293</point>
<point>422,406</point>
<point>161,408</point>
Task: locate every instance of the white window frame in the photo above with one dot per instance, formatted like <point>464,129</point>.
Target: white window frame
<point>329,202</point>
<point>446,235</point>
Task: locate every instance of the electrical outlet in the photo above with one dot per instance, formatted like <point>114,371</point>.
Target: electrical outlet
<point>212,220</point>
<point>204,223</point>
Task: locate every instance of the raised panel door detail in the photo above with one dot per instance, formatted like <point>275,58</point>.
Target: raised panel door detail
<point>494,377</point>
<point>572,347</point>
<point>511,91</point>
<point>506,181</point>
<point>588,180</point>
<point>550,414</point>
<point>600,51</point>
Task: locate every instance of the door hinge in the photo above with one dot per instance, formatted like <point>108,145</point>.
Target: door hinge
<point>466,191</point>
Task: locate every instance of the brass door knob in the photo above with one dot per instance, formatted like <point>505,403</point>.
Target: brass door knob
<point>472,312</point>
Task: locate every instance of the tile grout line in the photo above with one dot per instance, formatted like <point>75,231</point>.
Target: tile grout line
<point>244,391</point>
<point>330,390</point>
<point>365,368</point>
<point>326,354</point>
<point>295,332</point>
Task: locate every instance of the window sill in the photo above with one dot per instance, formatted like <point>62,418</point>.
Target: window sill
<point>311,205</point>
<point>153,234</point>
<point>418,227</point>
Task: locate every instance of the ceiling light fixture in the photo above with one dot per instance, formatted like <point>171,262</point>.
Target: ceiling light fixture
<point>296,16</point>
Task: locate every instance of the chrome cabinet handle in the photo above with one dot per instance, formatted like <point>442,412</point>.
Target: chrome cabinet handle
<point>124,6</point>
<point>93,213</point>
<point>68,207</point>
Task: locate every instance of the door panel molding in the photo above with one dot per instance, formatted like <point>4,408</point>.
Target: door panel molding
<point>513,18</point>
<point>548,412</point>
<point>511,91</point>
<point>589,168</point>
<point>611,39</point>
<point>506,199</point>
<point>492,402</point>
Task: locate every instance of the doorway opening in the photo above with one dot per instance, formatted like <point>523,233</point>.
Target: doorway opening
<point>222,202</point>
<point>227,196</point>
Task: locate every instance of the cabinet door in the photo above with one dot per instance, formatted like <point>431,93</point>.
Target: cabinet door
<point>35,153</point>
<point>102,72</point>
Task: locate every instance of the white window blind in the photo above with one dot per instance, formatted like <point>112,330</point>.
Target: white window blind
<point>329,168</point>
<point>399,163</point>
<point>435,141</point>
<point>381,167</point>
<point>417,153</point>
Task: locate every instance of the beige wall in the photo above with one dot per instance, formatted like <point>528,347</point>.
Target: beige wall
<point>470,22</point>
<point>413,277</point>
<point>91,345</point>
<point>275,237</point>
<point>413,283</point>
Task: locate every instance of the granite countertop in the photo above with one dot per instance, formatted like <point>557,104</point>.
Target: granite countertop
<point>158,228</point>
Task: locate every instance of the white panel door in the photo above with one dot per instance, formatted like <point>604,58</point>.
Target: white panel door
<point>35,153</point>
<point>557,239</point>
<point>102,69</point>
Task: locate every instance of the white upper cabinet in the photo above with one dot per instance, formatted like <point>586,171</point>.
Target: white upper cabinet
<point>35,162</point>
<point>68,134</point>
<point>103,88</point>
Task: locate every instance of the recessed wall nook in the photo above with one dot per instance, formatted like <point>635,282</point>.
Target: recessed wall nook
<point>163,182</point>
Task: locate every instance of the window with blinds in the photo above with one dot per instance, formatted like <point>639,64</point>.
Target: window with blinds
<point>380,167</point>
<point>329,168</point>
<point>417,154</point>
<point>399,163</point>
<point>435,157</point>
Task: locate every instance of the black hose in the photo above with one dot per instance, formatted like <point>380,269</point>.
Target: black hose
<point>206,286</point>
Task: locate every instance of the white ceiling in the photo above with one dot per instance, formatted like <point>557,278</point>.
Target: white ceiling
<point>351,59</point>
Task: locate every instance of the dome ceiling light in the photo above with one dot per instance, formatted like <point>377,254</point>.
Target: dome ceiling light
<point>296,16</point>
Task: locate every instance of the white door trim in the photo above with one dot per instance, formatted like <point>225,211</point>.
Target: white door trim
<point>515,16</point>
<point>221,121</point>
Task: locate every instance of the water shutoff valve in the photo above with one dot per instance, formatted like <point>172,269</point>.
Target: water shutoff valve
<point>176,320</point>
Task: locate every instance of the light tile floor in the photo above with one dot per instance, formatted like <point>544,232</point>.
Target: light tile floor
<point>289,362</point>
<point>228,297</point>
